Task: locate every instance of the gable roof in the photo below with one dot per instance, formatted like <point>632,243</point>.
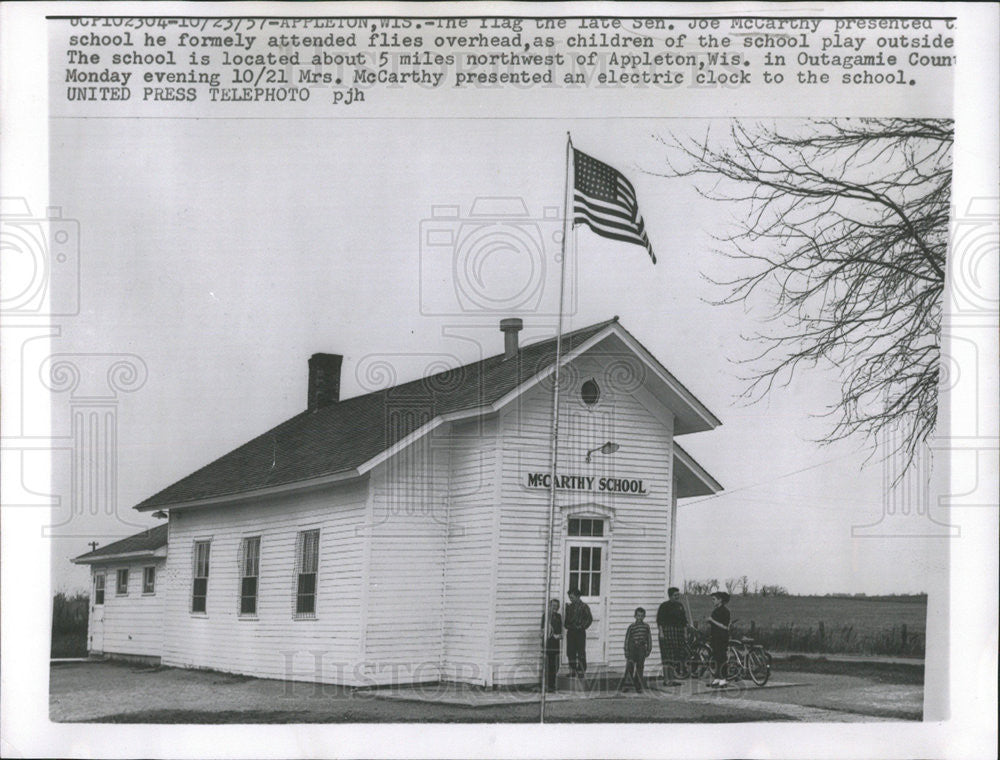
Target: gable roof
<point>140,545</point>
<point>692,478</point>
<point>338,440</point>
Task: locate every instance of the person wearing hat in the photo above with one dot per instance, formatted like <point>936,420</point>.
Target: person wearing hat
<point>718,636</point>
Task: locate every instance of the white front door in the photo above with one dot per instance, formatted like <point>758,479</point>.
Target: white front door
<point>96,643</point>
<point>586,569</point>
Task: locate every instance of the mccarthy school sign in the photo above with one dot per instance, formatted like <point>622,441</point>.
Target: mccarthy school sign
<point>586,483</point>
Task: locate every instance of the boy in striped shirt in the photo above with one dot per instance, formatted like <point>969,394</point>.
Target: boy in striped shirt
<point>638,645</point>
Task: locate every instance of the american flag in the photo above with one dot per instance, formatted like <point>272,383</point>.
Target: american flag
<point>605,201</point>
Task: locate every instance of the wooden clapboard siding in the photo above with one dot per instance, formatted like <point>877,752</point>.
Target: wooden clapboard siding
<point>468,578</point>
<point>639,536</point>
<point>273,644</point>
<point>407,535</point>
<point>133,624</point>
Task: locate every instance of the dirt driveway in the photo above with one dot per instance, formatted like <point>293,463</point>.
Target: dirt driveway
<point>114,692</point>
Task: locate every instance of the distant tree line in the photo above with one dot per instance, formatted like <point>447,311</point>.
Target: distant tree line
<point>69,624</point>
<point>917,597</point>
<point>740,586</point>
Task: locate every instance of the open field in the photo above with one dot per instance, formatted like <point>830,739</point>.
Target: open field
<point>825,624</point>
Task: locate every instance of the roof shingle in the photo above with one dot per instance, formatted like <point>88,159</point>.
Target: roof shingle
<point>148,540</point>
<point>344,435</point>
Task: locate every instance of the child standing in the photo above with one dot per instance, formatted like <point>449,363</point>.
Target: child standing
<point>638,645</point>
<point>718,636</point>
<point>552,644</point>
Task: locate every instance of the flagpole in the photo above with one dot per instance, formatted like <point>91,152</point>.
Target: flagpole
<point>567,231</point>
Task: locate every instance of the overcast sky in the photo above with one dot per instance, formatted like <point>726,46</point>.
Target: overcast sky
<point>225,252</point>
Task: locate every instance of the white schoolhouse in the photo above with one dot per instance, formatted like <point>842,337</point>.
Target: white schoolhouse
<point>400,536</point>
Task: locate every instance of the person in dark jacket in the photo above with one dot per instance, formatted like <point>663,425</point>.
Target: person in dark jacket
<point>552,644</point>
<point>576,622</point>
<point>671,622</point>
<point>718,636</point>
<point>638,645</point>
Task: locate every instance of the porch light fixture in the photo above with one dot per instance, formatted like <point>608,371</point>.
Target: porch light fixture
<point>604,448</point>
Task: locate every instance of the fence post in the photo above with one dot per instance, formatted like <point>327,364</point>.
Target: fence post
<point>822,633</point>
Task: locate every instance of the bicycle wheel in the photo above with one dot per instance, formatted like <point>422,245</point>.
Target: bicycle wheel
<point>733,669</point>
<point>758,666</point>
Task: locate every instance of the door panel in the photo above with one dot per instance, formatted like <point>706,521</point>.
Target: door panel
<point>586,569</point>
<point>96,643</point>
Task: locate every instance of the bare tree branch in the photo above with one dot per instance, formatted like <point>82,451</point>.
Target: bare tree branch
<point>842,237</point>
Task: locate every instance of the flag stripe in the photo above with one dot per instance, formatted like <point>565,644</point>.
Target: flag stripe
<point>589,206</point>
<point>625,187</point>
<point>605,201</point>
<point>621,232</point>
<point>616,235</point>
<point>614,221</point>
<point>587,211</point>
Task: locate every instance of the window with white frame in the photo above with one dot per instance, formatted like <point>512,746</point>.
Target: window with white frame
<point>199,588</point>
<point>586,556</point>
<point>585,526</point>
<point>249,574</point>
<point>149,580</point>
<point>306,568</point>
<point>99,588</point>
<point>121,583</point>
<point>585,569</point>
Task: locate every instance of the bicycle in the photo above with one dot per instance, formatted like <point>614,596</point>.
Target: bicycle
<point>744,659</point>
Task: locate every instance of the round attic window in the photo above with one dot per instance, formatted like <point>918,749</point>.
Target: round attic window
<point>590,392</point>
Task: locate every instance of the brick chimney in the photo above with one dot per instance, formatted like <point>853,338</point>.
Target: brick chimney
<point>324,380</point>
<point>510,328</point>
